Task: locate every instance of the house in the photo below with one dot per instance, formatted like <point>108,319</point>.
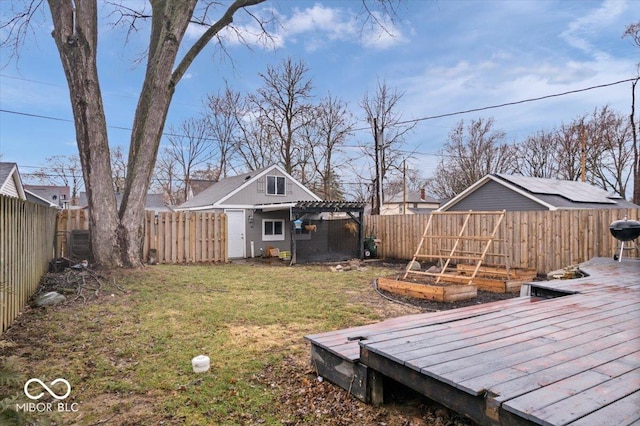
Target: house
<point>196,186</point>
<point>269,210</point>
<point>10,181</point>
<point>11,185</point>
<point>520,193</point>
<point>57,196</point>
<point>155,202</point>
<point>413,202</point>
<point>257,205</point>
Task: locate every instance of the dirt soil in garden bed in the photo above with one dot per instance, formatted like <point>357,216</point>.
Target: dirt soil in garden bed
<point>302,397</point>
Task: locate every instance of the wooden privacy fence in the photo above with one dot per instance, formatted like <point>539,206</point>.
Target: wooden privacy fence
<point>545,240</point>
<point>26,248</point>
<point>170,237</point>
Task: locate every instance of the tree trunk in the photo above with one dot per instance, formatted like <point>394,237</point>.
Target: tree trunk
<point>76,36</point>
<point>168,25</point>
<point>117,236</point>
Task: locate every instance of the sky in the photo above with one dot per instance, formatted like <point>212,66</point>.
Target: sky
<point>444,56</point>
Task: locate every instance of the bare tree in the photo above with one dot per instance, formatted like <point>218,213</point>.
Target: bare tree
<point>117,235</point>
<point>569,149</point>
<point>536,155</point>
<point>118,168</point>
<point>191,147</point>
<point>221,115</point>
<point>611,161</point>
<point>327,132</point>
<point>412,181</point>
<point>381,112</point>
<point>636,145</point>
<point>633,32</point>
<point>167,178</point>
<point>469,154</point>
<point>61,170</point>
<point>283,105</point>
<point>255,146</point>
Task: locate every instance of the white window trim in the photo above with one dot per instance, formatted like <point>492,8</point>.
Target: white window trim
<point>276,177</point>
<point>279,237</point>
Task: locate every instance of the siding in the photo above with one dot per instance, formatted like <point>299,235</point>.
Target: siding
<point>256,194</point>
<point>255,233</point>
<point>10,188</point>
<point>493,196</point>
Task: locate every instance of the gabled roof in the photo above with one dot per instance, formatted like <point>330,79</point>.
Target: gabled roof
<point>151,202</point>
<point>553,194</point>
<point>221,191</point>
<point>196,186</point>
<point>412,197</point>
<point>53,194</point>
<point>10,178</point>
<point>35,198</point>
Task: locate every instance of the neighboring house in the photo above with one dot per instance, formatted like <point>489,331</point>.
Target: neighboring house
<point>57,196</point>
<point>153,202</point>
<point>35,198</point>
<point>196,186</point>
<point>413,202</point>
<point>258,207</point>
<point>520,193</point>
<point>10,181</point>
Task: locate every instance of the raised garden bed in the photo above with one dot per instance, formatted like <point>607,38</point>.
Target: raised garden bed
<point>496,278</point>
<point>441,292</point>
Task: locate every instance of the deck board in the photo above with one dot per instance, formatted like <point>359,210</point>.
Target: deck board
<point>576,396</point>
<point>482,363</point>
<point>624,411</point>
<point>446,341</point>
<point>573,359</point>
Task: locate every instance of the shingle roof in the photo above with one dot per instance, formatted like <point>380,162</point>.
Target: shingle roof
<point>154,202</point>
<point>5,171</point>
<point>550,193</point>
<point>580,192</point>
<point>412,197</point>
<point>219,190</point>
<point>566,193</point>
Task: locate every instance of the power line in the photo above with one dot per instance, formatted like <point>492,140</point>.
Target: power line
<point>555,95</point>
<point>412,121</point>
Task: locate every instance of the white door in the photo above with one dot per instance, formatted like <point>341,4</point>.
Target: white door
<point>236,233</point>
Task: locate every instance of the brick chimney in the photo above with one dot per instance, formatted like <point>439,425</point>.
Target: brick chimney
<point>422,194</point>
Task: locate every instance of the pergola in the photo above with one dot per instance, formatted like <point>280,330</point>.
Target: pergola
<point>351,208</point>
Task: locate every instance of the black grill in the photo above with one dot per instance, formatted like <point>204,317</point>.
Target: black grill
<point>625,230</point>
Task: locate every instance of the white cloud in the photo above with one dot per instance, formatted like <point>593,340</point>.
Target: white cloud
<point>314,27</point>
<point>383,33</point>
<point>582,29</point>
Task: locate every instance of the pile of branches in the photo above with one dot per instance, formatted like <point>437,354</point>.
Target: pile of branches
<point>79,282</point>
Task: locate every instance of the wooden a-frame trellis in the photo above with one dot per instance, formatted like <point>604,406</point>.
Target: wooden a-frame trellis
<point>445,257</point>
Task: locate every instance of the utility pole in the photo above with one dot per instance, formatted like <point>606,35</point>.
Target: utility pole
<point>377,207</point>
<point>404,186</point>
<point>583,155</point>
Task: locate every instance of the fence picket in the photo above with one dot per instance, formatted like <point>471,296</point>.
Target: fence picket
<point>27,232</point>
<point>545,240</point>
<point>177,237</point>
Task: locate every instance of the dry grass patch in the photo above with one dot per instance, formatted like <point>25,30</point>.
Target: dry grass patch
<point>128,356</point>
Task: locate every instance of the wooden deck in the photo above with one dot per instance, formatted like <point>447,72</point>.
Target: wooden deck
<point>567,353</point>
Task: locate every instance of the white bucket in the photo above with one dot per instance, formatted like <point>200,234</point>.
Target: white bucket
<point>200,364</point>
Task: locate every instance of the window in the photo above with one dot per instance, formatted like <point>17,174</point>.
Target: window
<point>273,230</point>
<point>275,185</point>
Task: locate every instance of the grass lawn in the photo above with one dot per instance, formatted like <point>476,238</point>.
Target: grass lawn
<point>128,355</point>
